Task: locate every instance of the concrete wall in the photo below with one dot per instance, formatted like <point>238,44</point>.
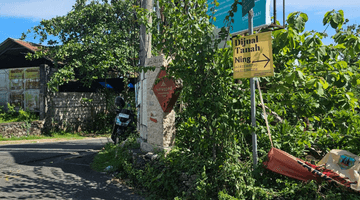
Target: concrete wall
<point>68,110</point>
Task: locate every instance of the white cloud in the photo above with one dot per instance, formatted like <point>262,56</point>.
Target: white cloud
<point>36,9</point>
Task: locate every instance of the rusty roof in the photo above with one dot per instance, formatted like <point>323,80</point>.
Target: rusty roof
<point>31,46</point>
<point>7,44</point>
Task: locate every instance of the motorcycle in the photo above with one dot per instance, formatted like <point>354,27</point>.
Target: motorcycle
<point>123,121</point>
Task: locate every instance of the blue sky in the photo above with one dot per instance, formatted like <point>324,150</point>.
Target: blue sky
<point>17,16</point>
<point>316,9</point>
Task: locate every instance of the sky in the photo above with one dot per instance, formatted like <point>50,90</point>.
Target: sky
<point>17,16</point>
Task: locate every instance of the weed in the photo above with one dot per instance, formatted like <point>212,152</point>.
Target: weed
<point>12,115</point>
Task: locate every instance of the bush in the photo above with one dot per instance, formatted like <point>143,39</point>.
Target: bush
<point>12,115</point>
<point>314,91</point>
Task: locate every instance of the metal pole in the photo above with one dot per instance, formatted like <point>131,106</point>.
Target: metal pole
<point>284,13</point>
<point>274,11</point>
<point>252,97</point>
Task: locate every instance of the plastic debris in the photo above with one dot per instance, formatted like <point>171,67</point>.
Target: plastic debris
<point>108,168</point>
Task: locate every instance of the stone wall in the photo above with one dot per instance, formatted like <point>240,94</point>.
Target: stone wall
<point>69,110</point>
<point>18,129</point>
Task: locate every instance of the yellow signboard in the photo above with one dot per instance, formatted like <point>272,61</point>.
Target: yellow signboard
<point>253,56</point>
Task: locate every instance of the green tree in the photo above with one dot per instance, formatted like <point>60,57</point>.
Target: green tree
<point>316,86</point>
<point>217,110</point>
<point>96,39</point>
<point>184,32</point>
<point>314,90</point>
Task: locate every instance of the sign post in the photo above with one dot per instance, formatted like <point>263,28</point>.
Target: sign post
<point>252,98</point>
<point>253,58</point>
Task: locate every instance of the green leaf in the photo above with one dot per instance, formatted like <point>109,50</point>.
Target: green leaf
<point>310,83</point>
<point>358,82</point>
<point>322,50</point>
<point>304,16</point>
<point>340,46</point>
<point>297,21</point>
<point>289,78</point>
<point>327,17</point>
<point>320,90</point>
<point>337,19</point>
<point>300,75</point>
<point>324,84</point>
<point>316,118</point>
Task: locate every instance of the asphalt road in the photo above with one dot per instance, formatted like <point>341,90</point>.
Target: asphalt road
<point>58,170</point>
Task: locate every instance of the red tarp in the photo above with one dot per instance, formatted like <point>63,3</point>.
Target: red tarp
<point>286,164</point>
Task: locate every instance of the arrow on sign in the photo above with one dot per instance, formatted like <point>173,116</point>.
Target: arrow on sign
<point>267,59</point>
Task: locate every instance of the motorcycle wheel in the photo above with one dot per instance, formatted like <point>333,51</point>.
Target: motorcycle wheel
<point>118,132</point>
<point>113,134</point>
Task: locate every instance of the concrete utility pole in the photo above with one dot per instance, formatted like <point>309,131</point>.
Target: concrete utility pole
<point>145,52</point>
<point>157,118</point>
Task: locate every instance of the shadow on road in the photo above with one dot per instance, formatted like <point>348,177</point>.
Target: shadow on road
<point>27,153</point>
<point>55,171</point>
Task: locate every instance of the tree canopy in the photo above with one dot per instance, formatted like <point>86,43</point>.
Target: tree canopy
<point>314,91</point>
<point>96,39</point>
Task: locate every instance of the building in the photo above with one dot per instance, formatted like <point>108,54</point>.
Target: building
<point>22,81</point>
<point>23,84</point>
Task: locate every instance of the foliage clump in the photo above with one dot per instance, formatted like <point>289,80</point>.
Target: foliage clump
<point>314,91</point>
<point>97,39</point>
<point>11,114</point>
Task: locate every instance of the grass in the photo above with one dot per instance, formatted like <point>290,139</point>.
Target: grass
<point>59,135</point>
<point>105,158</point>
<point>110,155</point>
